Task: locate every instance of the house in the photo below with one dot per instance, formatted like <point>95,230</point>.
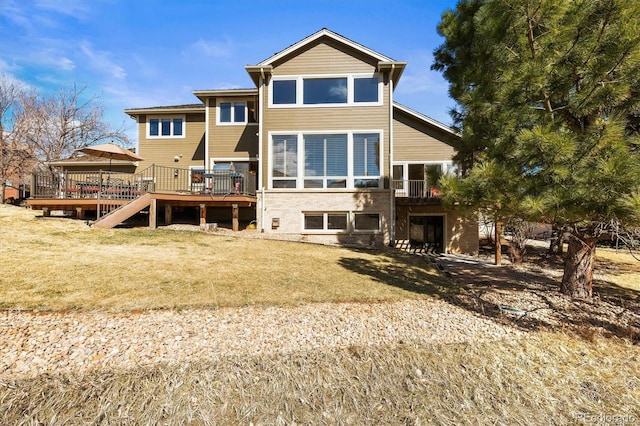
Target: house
<point>318,151</point>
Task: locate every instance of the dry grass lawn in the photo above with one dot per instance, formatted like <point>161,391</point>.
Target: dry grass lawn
<point>60,264</point>
<point>618,267</point>
<point>540,379</point>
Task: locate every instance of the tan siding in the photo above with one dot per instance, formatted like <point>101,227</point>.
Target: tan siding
<point>325,57</point>
<point>417,141</point>
<point>326,118</point>
<point>161,151</point>
<point>230,141</point>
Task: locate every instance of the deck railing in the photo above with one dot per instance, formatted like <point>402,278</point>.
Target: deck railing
<point>414,189</point>
<point>117,185</point>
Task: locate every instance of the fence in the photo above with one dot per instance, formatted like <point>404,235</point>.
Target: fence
<point>414,189</point>
<point>123,186</point>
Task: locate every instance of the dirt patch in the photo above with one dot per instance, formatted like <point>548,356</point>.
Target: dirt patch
<point>529,297</point>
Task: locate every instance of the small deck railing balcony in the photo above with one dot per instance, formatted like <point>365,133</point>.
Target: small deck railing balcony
<point>417,189</point>
<point>126,186</point>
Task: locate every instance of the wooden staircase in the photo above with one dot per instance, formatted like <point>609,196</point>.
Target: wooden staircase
<point>124,212</point>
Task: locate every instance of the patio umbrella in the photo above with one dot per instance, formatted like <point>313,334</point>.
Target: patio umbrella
<point>110,151</point>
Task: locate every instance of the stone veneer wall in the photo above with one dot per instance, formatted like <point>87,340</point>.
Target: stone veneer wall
<point>289,208</point>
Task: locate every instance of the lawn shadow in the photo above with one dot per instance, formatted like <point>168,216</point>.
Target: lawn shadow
<point>416,274</point>
<point>527,297</point>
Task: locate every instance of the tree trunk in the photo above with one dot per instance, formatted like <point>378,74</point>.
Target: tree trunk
<point>555,246</point>
<point>516,253</point>
<point>577,280</point>
<point>498,243</point>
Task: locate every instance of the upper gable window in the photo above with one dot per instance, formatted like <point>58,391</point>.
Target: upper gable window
<point>284,92</point>
<point>169,127</point>
<point>365,90</point>
<point>325,91</point>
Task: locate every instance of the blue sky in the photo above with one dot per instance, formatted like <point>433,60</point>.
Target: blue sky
<point>152,52</point>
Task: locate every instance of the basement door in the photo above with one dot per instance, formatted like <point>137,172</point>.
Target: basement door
<point>429,230</point>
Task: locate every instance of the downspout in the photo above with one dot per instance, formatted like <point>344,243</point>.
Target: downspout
<point>392,192</point>
<point>207,130</point>
<point>260,144</point>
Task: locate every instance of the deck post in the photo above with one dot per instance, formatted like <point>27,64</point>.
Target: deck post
<point>167,214</point>
<point>79,213</point>
<point>203,215</point>
<point>153,210</point>
<point>46,212</point>
<point>235,217</point>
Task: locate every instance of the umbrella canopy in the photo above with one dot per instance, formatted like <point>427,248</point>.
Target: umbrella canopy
<point>110,151</point>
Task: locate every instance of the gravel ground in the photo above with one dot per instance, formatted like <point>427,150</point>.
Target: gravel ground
<point>34,343</point>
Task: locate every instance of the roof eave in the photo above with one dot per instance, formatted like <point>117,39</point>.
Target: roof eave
<point>395,68</point>
<point>204,94</point>
<point>134,112</point>
<point>426,119</point>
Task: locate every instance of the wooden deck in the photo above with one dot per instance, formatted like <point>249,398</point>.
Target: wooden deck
<point>116,196</point>
<point>166,201</point>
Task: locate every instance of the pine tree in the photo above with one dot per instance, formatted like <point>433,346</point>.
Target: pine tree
<point>548,95</point>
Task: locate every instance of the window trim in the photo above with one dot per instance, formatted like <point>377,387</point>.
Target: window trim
<point>367,231</point>
<point>182,117</point>
<point>233,102</point>
<point>351,178</point>
<point>325,222</point>
<point>299,79</point>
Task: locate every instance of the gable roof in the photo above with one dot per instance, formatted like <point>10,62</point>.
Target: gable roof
<point>325,33</point>
<point>384,62</point>
<point>428,120</point>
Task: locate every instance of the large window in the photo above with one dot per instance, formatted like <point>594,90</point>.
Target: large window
<point>285,161</point>
<point>325,161</point>
<point>324,91</point>
<point>328,91</point>
<point>366,160</point>
<point>169,127</point>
